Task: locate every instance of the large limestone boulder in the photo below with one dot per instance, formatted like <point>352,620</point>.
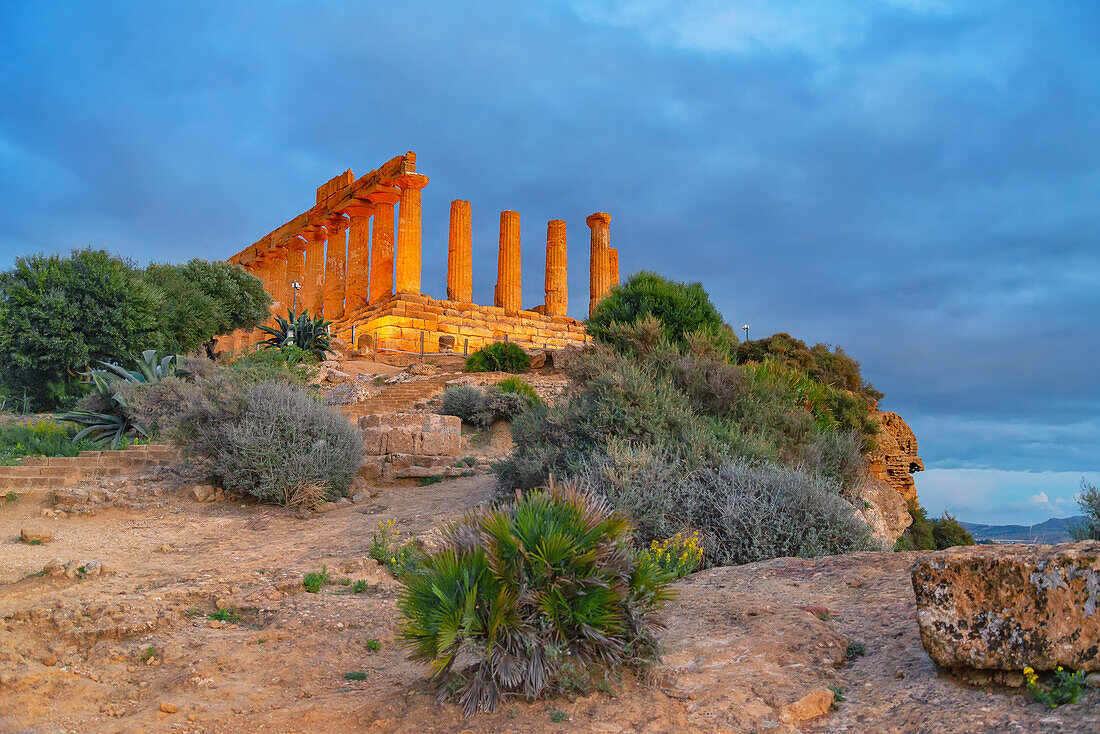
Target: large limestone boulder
<point>884,510</point>
<point>1010,606</point>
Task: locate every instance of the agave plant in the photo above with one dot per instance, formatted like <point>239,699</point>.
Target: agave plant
<point>110,422</point>
<point>301,330</point>
<point>524,587</point>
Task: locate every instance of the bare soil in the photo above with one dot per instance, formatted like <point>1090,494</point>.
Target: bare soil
<point>751,648</point>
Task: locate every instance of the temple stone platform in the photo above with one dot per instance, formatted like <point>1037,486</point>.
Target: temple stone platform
<point>401,321</point>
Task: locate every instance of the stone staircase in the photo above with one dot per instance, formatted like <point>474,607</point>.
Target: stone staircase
<point>400,397</point>
<point>46,473</point>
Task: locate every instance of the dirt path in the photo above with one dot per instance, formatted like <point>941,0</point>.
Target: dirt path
<point>747,648</point>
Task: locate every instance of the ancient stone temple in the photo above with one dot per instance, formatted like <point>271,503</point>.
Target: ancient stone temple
<point>355,258</point>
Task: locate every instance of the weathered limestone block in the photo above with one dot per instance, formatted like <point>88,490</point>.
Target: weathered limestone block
<point>884,510</point>
<point>895,459</point>
<point>1006,607</point>
<point>509,288</point>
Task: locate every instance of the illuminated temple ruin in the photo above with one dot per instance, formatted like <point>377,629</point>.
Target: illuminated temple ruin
<point>356,256</point>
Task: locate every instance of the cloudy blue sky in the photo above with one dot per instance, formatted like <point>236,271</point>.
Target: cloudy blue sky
<point>916,180</point>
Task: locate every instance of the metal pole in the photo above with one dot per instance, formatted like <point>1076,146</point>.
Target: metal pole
<point>422,344</point>
<point>466,347</point>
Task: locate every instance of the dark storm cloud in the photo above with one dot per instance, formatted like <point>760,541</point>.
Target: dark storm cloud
<point>914,181</point>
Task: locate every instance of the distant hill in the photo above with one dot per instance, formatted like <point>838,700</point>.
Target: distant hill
<point>1054,530</point>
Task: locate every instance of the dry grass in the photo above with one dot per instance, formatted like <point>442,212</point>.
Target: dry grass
<point>310,496</point>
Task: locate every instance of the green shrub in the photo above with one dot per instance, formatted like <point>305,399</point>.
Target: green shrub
<point>463,401</point>
<point>202,299</point>
<point>918,536</point>
<point>60,314</point>
<point>518,386</point>
<point>744,512</point>
<point>38,437</point>
<point>267,440</point>
<point>681,308</point>
<point>522,588</point>
<point>482,407</point>
<point>948,533</point>
<point>828,367</point>
<point>1089,502</point>
<point>104,413</point>
<point>314,581</point>
<point>837,455</point>
<point>301,332</point>
<point>499,357</point>
<point>290,365</point>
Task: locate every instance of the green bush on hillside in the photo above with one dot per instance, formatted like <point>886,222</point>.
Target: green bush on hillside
<point>38,437</point>
<point>517,386</point>
<point>499,357</point>
<point>935,534</point>
<point>833,368</point>
<point>1089,502</point>
<point>681,308</point>
<point>527,590</point>
<point>202,299</point>
<point>482,407</point>
<point>61,315</point>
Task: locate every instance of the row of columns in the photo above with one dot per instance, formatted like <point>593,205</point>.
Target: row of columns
<point>345,263</point>
<point>509,292</point>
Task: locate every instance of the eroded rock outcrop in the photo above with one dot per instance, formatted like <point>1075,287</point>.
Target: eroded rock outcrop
<point>895,459</point>
<point>1007,607</point>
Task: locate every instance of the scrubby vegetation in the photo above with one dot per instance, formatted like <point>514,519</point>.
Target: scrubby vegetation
<point>499,357</point>
<point>932,534</point>
<point>525,588</point>
<point>763,456</point>
<point>485,406</point>
<point>61,315</point>
<point>39,437</point>
<point>1089,502</point>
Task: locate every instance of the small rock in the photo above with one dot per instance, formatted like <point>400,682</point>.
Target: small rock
<point>816,703</point>
<point>899,674</point>
<point>48,659</point>
<point>47,512</point>
<point>337,376</point>
<point>538,360</point>
<point>331,364</point>
<point>343,501</point>
<point>35,535</point>
<point>1092,680</point>
<point>326,507</point>
<point>72,569</point>
<point>202,492</point>
<point>422,369</point>
<point>165,548</point>
<point>168,708</point>
<point>360,497</point>
<point>56,567</point>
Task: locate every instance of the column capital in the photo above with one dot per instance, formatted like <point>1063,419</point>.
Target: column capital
<point>414,181</point>
<point>335,224</point>
<point>384,195</point>
<point>359,208</point>
<point>598,218</point>
<point>295,244</point>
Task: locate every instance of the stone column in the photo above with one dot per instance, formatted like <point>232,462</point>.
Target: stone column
<point>557,285</point>
<point>460,281</point>
<point>599,283</point>
<point>295,273</point>
<point>509,293</point>
<point>276,282</point>
<point>335,261</point>
<point>407,252</point>
<point>381,252</point>
<point>358,278</point>
<point>312,295</point>
<point>614,260</point>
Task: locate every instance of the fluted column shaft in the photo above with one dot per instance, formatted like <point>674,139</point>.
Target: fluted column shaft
<point>313,284</point>
<point>276,282</point>
<point>358,270</point>
<point>381,253</point>
<point>599,283</point>
<point>335,261</point>
<point>613,253</point>
<point>509,293</point>
<point>407,253</point>
<point>295,273</point>
<point>460,282</point>
<point>557,284</point>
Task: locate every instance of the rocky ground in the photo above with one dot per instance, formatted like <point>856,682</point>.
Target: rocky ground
<point>124,642</point>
